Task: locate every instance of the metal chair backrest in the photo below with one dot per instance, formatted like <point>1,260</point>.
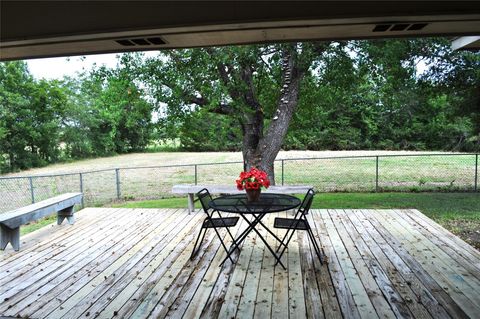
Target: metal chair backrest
<point>307,202</point>
<point>205,198</point>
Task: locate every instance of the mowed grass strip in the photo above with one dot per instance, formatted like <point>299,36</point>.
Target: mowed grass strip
<point>458,212</point>
<point>438,206</point>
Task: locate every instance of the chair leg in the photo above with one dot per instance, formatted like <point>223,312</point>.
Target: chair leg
<point>315,245</point>
<point>228,230</point>
<point>194,251</point>
<point>282,242</point>
<point>285,245</point>
<point>223,244</point>
<point>285,236</point>
<point>233,239</point>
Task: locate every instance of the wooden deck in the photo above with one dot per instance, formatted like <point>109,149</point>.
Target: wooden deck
<point>125,263</point>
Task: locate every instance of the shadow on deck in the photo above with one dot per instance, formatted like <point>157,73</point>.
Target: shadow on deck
<point>134,263</point>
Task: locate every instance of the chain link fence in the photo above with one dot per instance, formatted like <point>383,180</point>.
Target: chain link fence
<point>431,172</point>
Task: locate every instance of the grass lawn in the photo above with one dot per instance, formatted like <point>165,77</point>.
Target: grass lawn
<point>25,229</point>
<point>458,212</point>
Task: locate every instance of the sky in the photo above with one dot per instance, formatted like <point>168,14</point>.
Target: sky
<point>57,68</point>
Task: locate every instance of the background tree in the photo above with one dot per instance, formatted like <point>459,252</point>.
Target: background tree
<point>108,112</point>
<point>30,114</point>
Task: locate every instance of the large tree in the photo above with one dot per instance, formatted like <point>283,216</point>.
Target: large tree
<point>107,111</point>
<point>257,86</point>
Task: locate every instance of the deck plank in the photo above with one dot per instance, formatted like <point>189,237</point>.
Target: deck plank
<point>390,283</point>
<point>418,263</point>
<point>280,282</point>
<point>92,277</point>
<point>344,294</point>
<point>127,300</point>
<point>263,304</point>
<point>402,278</point>
<point>36,240</point>
<point>51,247</point>
<point>213,305</point>
<point>51,270</point>
<point>204,268</point>
<point>296,295</point>
<point>237,283</point>
<point>194,307</point>
<point>246,306</point>
<point>136,269</point>
<point>444,234</point>
<point>134,263</point>
<point>325,285</point>
<point>445,254</point>
<point>76,270</point>
<point>359,293</point>
<point>413,265</point>
<point>374,280</point>
<point>446,273</point>
<point>444,239</point>
<point>81,300</point>
<point>313,303</point>
<point>186,282</point>
<point>164,271</point>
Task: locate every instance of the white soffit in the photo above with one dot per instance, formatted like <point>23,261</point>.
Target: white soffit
<point>466,43</point>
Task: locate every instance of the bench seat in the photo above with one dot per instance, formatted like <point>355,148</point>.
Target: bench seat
<point>11,221</point>
<point>191,190</point>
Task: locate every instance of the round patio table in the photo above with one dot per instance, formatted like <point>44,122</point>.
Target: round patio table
<point>266,204</point>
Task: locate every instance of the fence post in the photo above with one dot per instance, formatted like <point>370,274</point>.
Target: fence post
<point>476,171</point>
<point>283,172</point>
<point>117,179</point>
<point>32,192</point>
<point>196,178</point>
<point>80,175</point>
<point>376,174</point>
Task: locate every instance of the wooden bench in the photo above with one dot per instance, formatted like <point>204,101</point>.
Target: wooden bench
<point>10,222</point>
<point>191,190</point>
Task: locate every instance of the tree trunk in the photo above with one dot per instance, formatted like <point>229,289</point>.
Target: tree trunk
<point>252,135</point>
<point>260,151</point>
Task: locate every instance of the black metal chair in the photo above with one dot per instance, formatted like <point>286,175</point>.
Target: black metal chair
<point>211,222</point>
<point>299,222</point>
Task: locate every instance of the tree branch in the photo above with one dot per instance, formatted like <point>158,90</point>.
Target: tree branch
<point>221,108</point>
<point>228,77</point>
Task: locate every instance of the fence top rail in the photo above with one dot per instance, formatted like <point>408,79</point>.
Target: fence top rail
<point>237,162</point>
<point>39,176</point>
<point>375,156</point>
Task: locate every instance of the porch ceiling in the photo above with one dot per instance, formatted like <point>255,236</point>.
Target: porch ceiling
<point>31,29</point>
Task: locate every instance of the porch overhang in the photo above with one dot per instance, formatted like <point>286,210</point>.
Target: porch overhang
<point>33,29</point>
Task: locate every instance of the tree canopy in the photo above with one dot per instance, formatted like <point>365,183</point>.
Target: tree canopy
<point>412,94</point>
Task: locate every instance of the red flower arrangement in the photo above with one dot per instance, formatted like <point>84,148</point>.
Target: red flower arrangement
<point>253,179</point>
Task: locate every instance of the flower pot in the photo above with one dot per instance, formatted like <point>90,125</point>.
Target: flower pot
<point>253,194</point>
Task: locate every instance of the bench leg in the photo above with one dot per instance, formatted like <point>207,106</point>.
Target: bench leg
<point>66,213</point>
<point>8,235</point>
<point>191,203</point>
